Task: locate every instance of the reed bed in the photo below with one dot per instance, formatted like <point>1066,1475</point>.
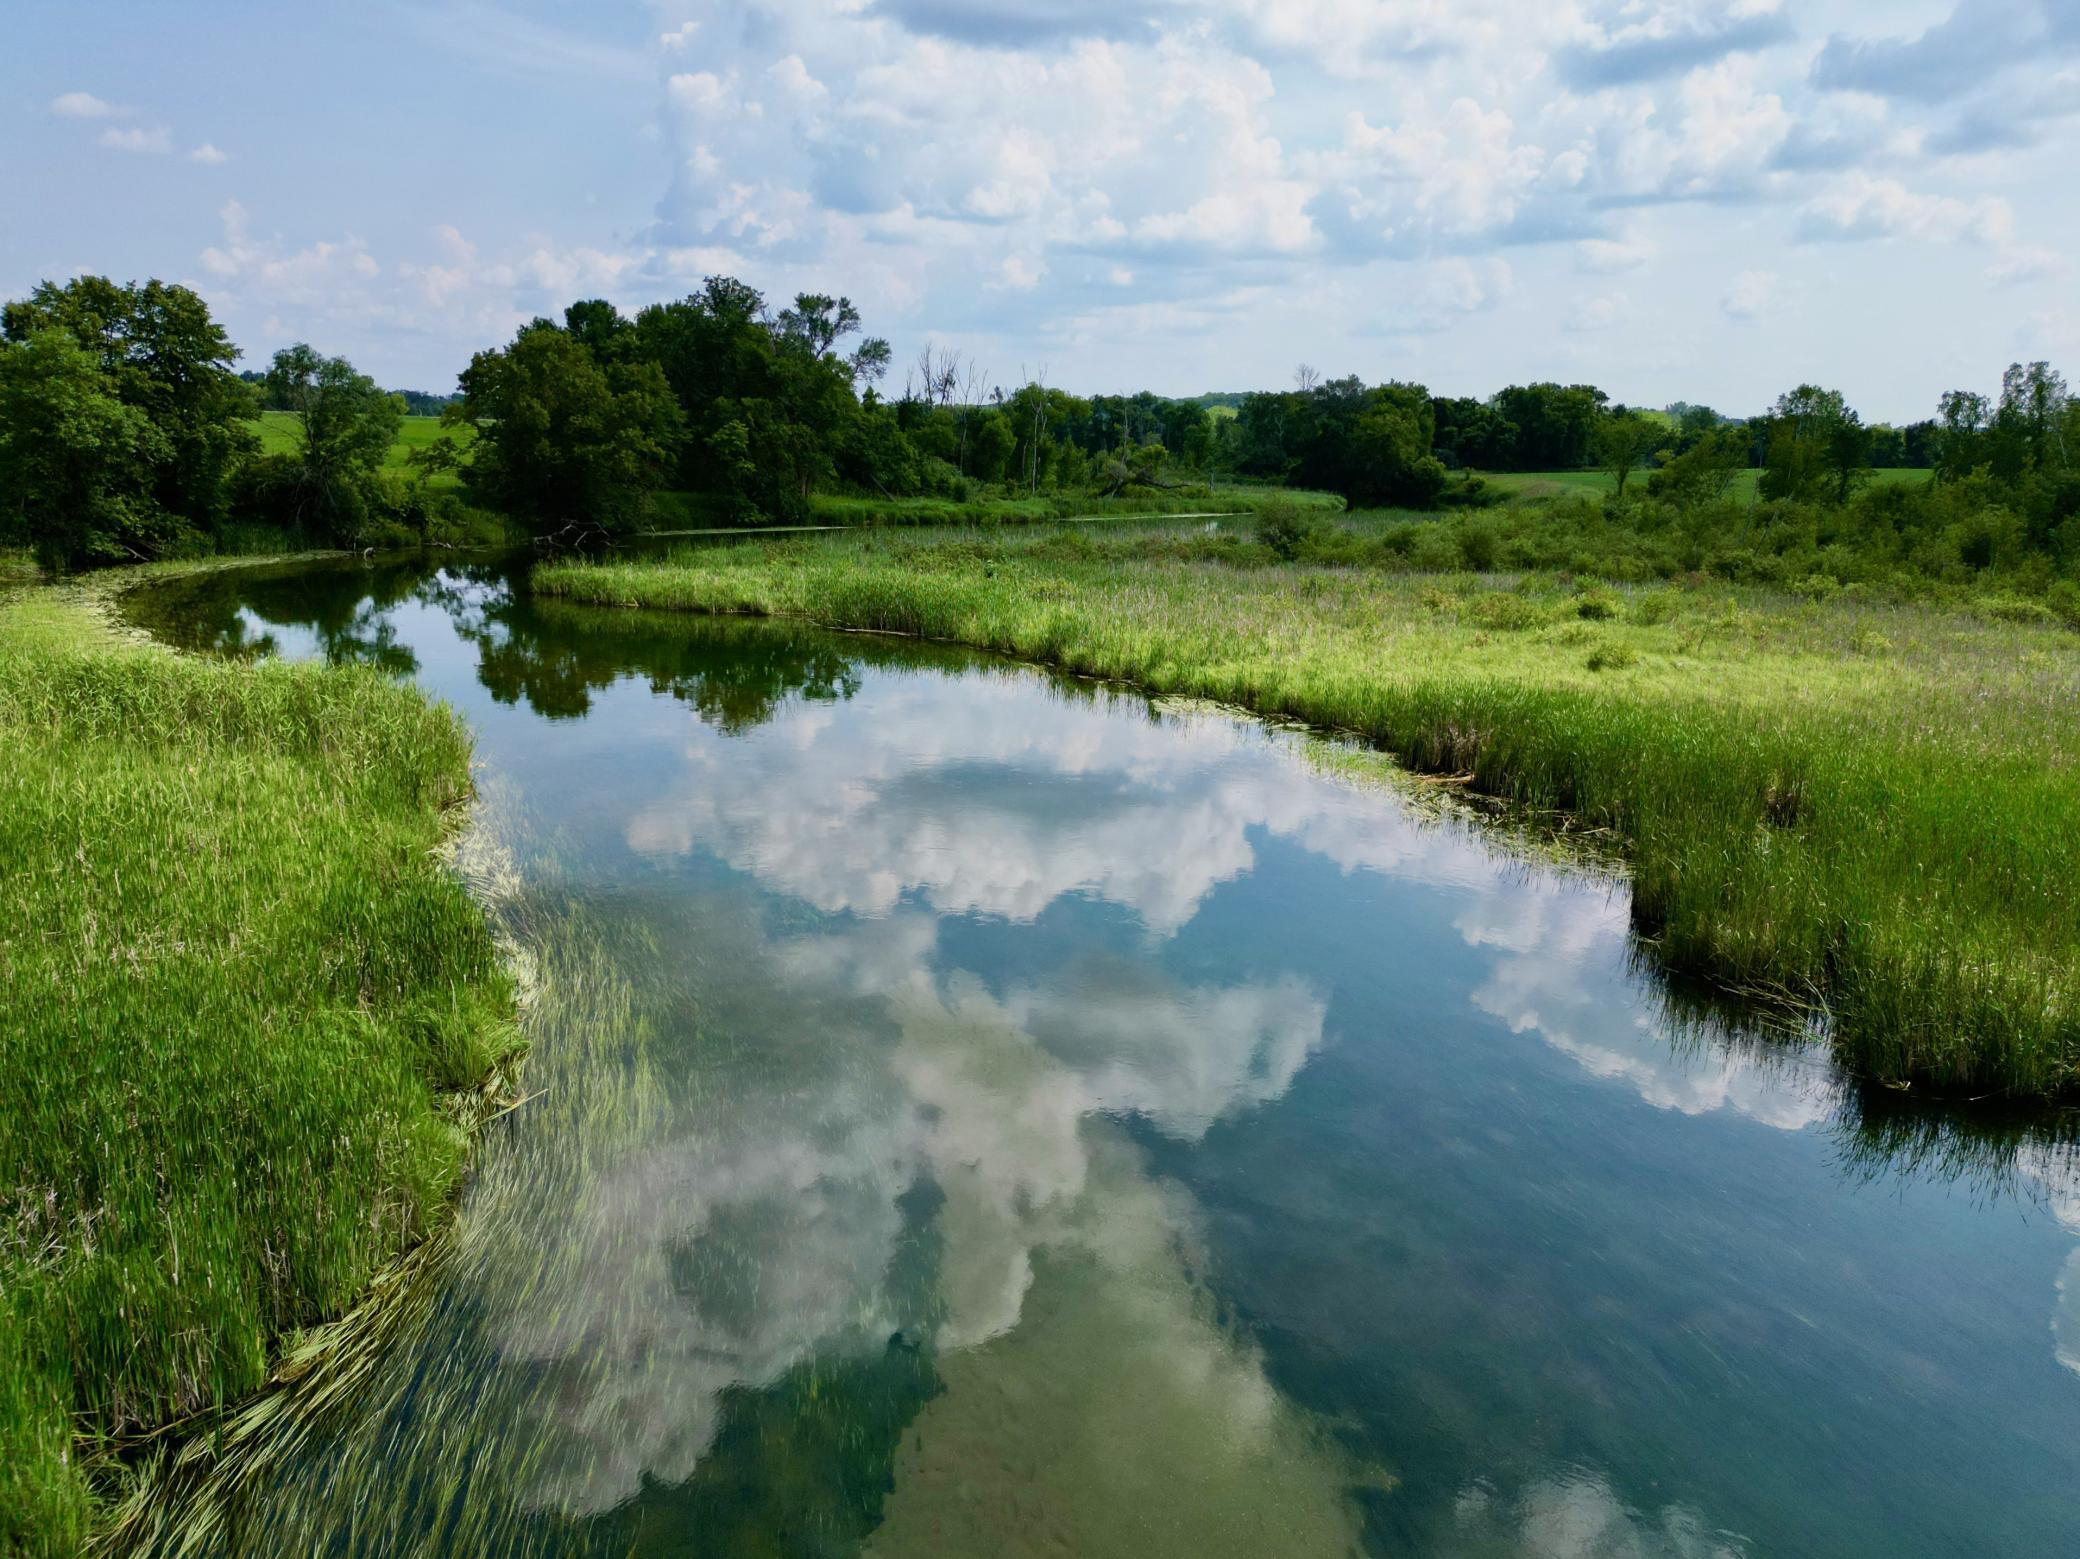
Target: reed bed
<point>1869,812</point>
<point>250,1012</point>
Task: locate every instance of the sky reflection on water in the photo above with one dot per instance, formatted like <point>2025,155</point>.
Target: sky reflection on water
<point>985,1114</point>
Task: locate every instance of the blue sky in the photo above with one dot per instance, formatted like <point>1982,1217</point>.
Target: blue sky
<point>1699,199</point>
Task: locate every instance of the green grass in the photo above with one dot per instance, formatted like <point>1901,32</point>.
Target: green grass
<point>250,1017</point>
<point>282,434</point>
<point>1871,810</point>
<point>1601,484</point>
<point>835,509</point>
<point>677,510</point>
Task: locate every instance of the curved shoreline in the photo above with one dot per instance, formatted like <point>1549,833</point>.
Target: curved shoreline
<point>1779,852</point>
<point>261,735</point>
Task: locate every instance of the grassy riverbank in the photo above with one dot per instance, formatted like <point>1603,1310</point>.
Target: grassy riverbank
<point>1873,809</point>
<point>250,1016</point>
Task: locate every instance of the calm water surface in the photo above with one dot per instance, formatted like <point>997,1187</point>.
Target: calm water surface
<point>983,1115</point>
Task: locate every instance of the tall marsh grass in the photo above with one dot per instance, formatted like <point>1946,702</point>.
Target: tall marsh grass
<point>1871,811</point>
<point>247,1007</point>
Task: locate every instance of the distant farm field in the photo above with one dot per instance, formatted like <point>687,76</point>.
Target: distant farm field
<point>1554,484</point>
<point>281,434</point>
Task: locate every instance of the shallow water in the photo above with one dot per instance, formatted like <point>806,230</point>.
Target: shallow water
<point>980,1114</point>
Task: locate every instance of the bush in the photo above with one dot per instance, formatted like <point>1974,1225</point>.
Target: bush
<point>1597,606</point>
<point>1474,492</point>
<point>1479,547</point>
<point>2013,609</point>
<point>2064,599</point>
<point>1656,607</point>
<point>1503,610</point>
<point>1816,587</point>
<point>1284,527</point>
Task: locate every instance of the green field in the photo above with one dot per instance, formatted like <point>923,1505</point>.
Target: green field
<point>1864,811</point>
<point>282,434</point>
<point>1601,484</point>
<point>838,509</point>
<point>698,511</point>
<point>251,1017</point>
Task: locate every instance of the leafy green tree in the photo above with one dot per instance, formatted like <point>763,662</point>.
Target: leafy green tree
<point>1372,445</point>
<point>990,445</point>
<point>1962,420</point>
<point>820,322</point>
<point>772,404</point>
<point>76,463</point>
<point>1474,435</point>
<point>348,424</point>
<point>1690,422</point>
<point>1555,424</point>
<point>2029,425</point>
<point>160,353</point>
<point>873,453</point>
<point>561,440</point>
<point>1704,472</point>
<point>1032,412</point>
<point>1140,466</point>
<point>600,328</point>
<point>1818,447</point>
<point>1389,460</point>
<point>1270,429</point>
<point>710,348</point>
<point>1918,445</point>
<point>1624,442</point>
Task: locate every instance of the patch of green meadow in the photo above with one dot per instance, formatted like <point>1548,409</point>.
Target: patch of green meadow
<point>251,1017</point>
<point>1863,808</point>
<point>1601,484</point>
<point>281,433</point>
<point>840,509</point>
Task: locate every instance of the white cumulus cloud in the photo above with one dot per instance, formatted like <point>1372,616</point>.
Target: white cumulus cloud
<point>154,142</point>
<point>84,105</point>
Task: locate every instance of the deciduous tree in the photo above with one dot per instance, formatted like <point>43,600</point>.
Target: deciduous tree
<point>562,440</point>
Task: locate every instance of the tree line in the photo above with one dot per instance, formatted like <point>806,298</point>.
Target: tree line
<point>127,431</point>
<point>417,403</point>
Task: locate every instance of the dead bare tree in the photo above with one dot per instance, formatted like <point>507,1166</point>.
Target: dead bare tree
<point>932,377</point>
<point>974,382</point>
<point>1306,377</point>
<point>1038,384</point>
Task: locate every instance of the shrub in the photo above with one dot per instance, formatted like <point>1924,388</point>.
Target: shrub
<point>2064,599</point>
<point>1816,587</point>
<point>1479,547</point>
<point>1435,550</point>
<point>1474,492</point>
<point>1284,527</point>
<point>2013,609</point>
<point>1503,610</point>
<point>1656,607</point>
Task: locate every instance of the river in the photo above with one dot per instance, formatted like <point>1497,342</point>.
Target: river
<point>978,1113</point>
